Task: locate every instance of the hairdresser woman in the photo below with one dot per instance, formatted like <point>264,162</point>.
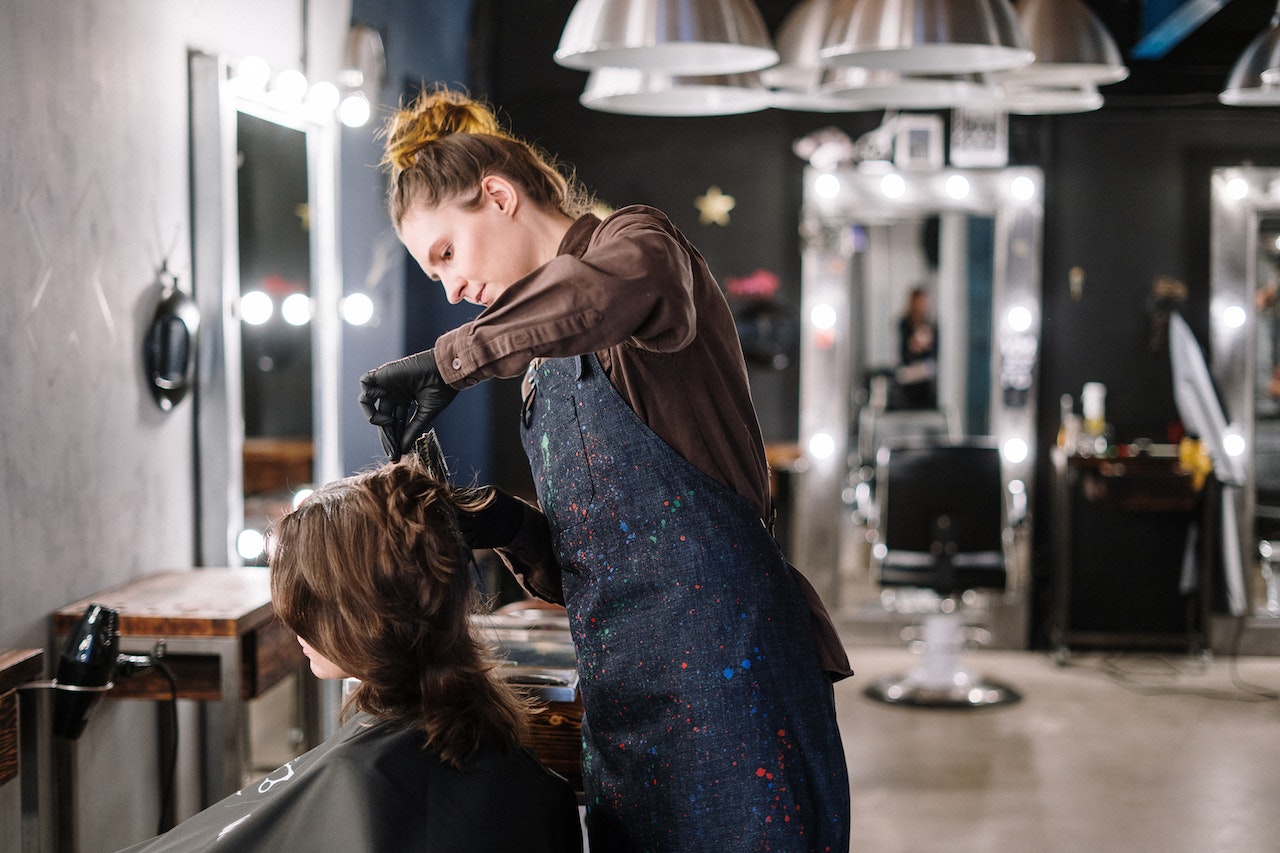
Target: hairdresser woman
<point>706,661</point>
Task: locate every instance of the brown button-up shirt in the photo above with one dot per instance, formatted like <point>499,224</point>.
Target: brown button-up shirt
<point>635,292</point>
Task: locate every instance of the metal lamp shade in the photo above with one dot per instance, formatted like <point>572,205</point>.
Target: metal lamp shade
<point>632,91</point>
<point>926,36</point>
<point>681,37</point>
<point>1255,78</point>
<point>1071,45</point>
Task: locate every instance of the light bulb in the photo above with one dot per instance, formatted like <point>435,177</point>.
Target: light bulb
<point>355,110</point>
<point>256,307</point>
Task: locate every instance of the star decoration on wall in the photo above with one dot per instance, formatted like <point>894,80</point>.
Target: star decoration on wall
<point>714,207</point>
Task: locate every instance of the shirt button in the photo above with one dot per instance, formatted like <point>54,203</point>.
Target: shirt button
<point>457,364</point>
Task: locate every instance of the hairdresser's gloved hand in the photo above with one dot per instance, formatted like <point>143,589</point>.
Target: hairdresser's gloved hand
<point>401,398</point>
<point>496,523</point>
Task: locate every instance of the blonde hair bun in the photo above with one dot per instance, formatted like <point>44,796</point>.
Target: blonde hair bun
<point>434,114</point>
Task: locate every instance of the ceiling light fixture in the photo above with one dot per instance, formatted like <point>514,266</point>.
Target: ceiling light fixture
<point>801,82</point>
<point>1071,45</point>
<point>678,37</point>
<point>1025,99</point>
<point>926,36</point>
<point>632,91</point>
<point>1255,78</point>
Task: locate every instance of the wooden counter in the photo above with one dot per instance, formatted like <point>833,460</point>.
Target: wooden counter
<point>17,666</point>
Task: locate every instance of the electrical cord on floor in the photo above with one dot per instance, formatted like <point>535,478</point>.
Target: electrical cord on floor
<point>1157,675</point>
<point>1263,693</point>
<point>168,750</point>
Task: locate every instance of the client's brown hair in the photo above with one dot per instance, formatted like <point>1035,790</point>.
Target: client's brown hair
<point>372,572</point>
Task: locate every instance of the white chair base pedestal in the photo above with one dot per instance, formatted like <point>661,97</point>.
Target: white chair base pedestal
<point>940,680</point>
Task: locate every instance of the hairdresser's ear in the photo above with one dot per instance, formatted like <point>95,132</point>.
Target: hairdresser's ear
<point>501,193</point>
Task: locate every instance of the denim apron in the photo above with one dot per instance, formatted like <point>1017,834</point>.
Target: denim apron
<point>708,724</point>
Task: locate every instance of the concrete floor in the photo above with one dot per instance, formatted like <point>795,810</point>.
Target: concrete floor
<point>1132,753</point>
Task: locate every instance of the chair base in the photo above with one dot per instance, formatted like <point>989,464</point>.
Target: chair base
<point>917,690</point>
<point>940,679</point>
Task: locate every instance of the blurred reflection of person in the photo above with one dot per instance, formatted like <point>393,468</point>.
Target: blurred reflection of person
<point>916,376</point>
<point>1267,370</point>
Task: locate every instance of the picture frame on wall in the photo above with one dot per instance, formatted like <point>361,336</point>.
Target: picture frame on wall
<point>979,138</point>
<point>917,142</point>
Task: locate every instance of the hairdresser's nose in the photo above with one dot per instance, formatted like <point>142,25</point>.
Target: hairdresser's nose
<point>453,289</point>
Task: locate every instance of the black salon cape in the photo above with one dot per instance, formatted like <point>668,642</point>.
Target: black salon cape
<point>371,787</point>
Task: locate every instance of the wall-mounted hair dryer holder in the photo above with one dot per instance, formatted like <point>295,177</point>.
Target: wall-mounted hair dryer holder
<point>87,666</point>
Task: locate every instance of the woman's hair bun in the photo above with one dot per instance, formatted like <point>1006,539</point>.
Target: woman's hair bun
<point>434,114</point>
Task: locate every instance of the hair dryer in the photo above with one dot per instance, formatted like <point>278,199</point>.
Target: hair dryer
<point>85,669</point>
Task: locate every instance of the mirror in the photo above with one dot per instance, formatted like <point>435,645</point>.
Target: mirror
<point>265,265</point>
<point>969,241</point>
<point>1244,320</point>
<point>264,214</point>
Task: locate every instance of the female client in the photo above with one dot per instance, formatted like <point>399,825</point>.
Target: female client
<point>372,574</point>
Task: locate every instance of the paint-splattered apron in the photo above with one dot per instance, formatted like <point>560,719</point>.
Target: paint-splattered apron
<point>708,723</point>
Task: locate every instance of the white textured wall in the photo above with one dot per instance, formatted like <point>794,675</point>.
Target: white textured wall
<point>96,485</point>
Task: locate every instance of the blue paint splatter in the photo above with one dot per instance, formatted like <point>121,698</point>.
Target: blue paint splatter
<point>728,672</point>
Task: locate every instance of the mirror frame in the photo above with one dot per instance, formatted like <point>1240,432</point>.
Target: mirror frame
<point>834,200</point>
<point>1241,196</point>
<point>215,102</point>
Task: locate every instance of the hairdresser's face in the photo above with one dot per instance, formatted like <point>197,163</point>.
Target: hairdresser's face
<point>321,666</point>
<point>475,254</point>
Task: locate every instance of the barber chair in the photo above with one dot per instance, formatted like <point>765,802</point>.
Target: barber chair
<point>876,428</point>
<point>941,532</point>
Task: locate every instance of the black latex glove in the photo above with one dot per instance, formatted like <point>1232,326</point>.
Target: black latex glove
<point>401,398</point>
<point>495,524</point>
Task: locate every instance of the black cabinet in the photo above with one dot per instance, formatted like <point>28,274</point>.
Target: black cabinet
<point>1130,554</point>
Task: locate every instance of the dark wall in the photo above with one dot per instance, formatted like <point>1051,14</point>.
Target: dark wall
<point>1127,201</point>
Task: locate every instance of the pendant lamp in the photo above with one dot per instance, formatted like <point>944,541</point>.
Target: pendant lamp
<point>926,36</point>
<point>798,40</point>
<point>681,37</point>
<point>1036,99</point>
<point>801,82</point>
<point>1255,78</point>
<point>633,91</point>
<point>860,89</point>
<point>1071,45</point>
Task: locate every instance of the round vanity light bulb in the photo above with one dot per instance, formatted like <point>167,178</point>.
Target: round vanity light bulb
<point>323,98</point>
<point>822,446</point>
<point>1015,451</point>
<point>252,73</point>
<point>249,544</point>
<point>1237,188</point>
<point>893,185</point>
<point>296,309</point>
<point>355,110</point>
<point>1233,316</point>
<point>256,308</point>
<point>826,185</point>
<point>1022,188</point>
<point>290,86</point>
<point>357,309</point>
<point>1233,443</point>
<point>823,316</point>
<point>957,187</point>
<point>1019,318</point>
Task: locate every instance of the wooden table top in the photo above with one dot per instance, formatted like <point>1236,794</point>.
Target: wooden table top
<point>18,666</point>
<point>204,602</point>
